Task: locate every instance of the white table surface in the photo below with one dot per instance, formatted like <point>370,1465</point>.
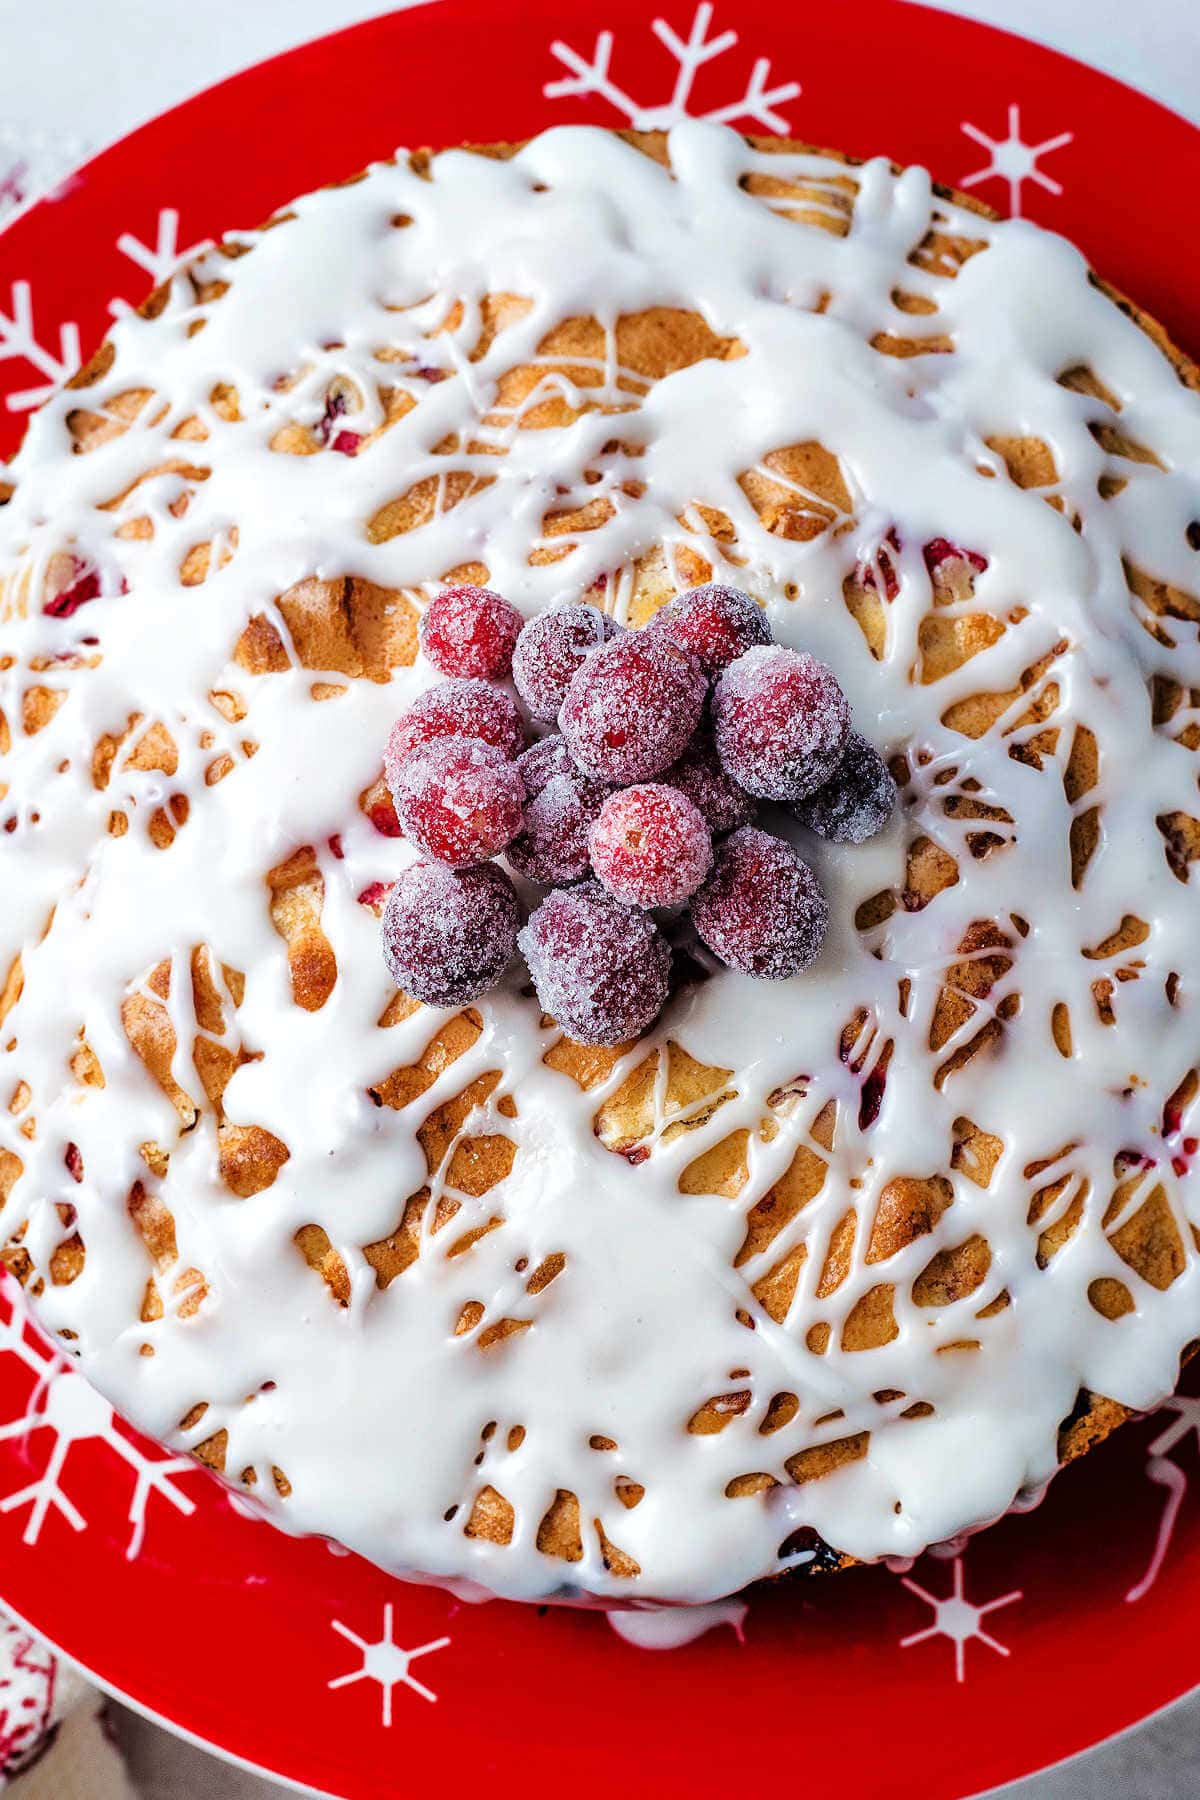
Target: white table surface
<point>74,75</point>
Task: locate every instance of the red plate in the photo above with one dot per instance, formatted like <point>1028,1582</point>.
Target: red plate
<point>1051,1631</point>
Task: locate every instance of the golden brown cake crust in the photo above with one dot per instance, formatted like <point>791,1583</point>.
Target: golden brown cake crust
<point>1094,1417</point>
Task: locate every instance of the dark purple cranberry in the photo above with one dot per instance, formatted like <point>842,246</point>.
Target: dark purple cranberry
<point>761,910</point>
<point>449,934</point>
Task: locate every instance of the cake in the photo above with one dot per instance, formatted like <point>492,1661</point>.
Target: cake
<point>815,1270</point>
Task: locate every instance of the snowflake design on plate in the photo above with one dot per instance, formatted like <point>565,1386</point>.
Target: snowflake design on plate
<point>1013,160</point>
<point>758,102</point>
<point>159,260</point>
<point>385,1662</point>
<point>957,1618</point>
<point>1168,1475</point>
<point>19,330</point>
<point>63,1403</point>
<point>19,339</point>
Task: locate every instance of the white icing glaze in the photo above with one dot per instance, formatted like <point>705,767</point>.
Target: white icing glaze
<point>671,1627</point>
<point>377,1408</point>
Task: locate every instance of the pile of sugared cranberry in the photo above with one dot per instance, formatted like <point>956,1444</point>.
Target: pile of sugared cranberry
<point>642,800</point>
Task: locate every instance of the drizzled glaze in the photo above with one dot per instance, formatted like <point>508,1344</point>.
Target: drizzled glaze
<point>380,1423</point>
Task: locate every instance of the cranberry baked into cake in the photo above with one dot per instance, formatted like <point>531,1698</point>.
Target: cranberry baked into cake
<point>614,1251</point>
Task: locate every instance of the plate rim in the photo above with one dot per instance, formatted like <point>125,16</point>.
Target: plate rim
<point>379,24</point>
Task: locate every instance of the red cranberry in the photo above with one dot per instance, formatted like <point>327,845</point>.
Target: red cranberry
<point>459,800</point>
<point>762,910</point>
<point>717,624</point>
<point>699,775</point>
<point>632,706</point>
<point>83,587</point>
<point>448,934</point>
<point>382,814</point>
<point>544,760</point>
<point>374,895</point>
<point>650,846</point>
<point>563,804</point>
<point>881,565</point>
<point>470,631</point>
<point>939,550</point>
<point>551,648</point>
<point>856,801</point>
<point>601,970</point>
<point>471,709</point>
<point>326,430</point>
<point>780,721</point>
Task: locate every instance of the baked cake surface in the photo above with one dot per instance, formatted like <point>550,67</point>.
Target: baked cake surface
<point>832,1256</point>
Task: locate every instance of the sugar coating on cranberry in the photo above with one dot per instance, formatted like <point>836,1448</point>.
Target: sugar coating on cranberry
<point>856,801</point>
<point>471,709</point>
<point>716,624</point>
<point>650,846</point>
<point>780,722</point>
<point>600,970</point>
<point>449,934</point>
<point>551,648</point>
<point>562,805</point>
<point>632,706</point>
<point>459,800</point>
<point>699,775</point>
<point>470,631</point>
<point>761,910</point>
<point>546,759</point>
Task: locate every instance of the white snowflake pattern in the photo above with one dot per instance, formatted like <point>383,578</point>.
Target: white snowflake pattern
<point>759,102</point>
<point>63,1403</point>
<point>159,260</point>
<point>1013,160</point>
<point>385,1662</point>
<point>957,1618</point>
<point>18,333</point>
<point>1168,1475</point>
<point>18,338</point>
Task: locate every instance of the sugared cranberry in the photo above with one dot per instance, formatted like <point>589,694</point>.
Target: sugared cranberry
<point>761,910</point>
<point>449,934</point>
<point>544,760</point>
<point>856,801</point>
<point>600,969</point>
<point>699,775</point>
<point>562,805</point>
<point>551,648</point>
<point>459,800</point>
<point>632,706</point>
<point>470,631</point>
<point>717,624</point>
<point>650,846</point>
<point>780,722</point>
<point>471,709</point>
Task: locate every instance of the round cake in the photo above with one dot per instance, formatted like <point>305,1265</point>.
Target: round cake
<point>821,1268</point>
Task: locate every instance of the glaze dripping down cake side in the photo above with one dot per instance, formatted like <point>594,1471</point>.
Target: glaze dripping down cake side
<point>848,1260</point>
